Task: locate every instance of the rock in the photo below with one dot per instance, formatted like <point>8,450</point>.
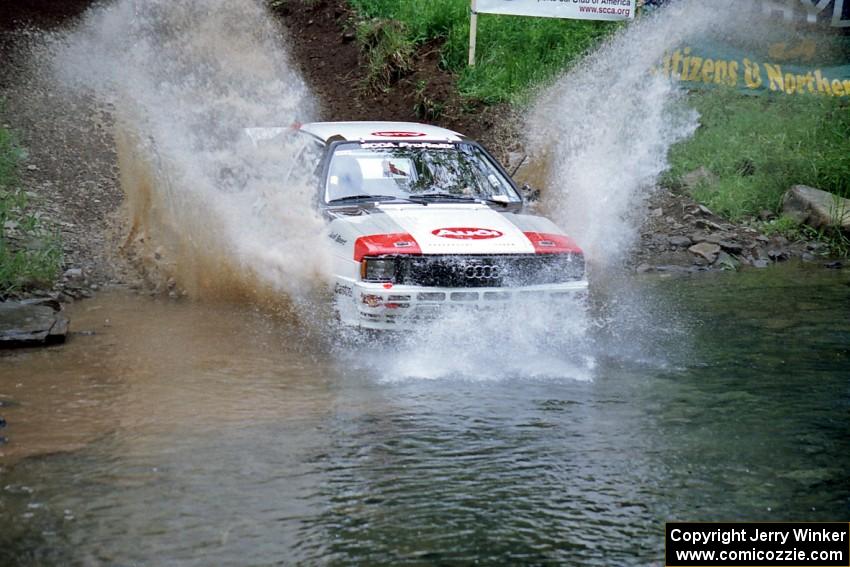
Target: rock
<point>2,423</point>
<point>816,208</point>
<point>643,268</point>
<point>32,323</point>
<point>777,255</point>
<point>658,241</point>
<point>697,178</point>
<point>834,265</point>
<point>706,250</point>
<point>808,257</point>
<point>32,167</point>
<point>657,213</point>
<point>704,210</point>
<point>705,223</point>
<point>731,247</point>
<point>761,263</point>
<point>712,238</point>
<point>766,215</point>
<point>73,274</point>
<point>349,36</point>
<point>759,253</point>
<point>680,241</point>
<point>762,238</point>
<point>727,262</point>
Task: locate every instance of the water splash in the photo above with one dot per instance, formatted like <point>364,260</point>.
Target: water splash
<point>527,340</point>
<point>185,79</point>
<point>606,126</point>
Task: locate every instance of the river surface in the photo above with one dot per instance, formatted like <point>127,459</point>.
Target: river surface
<point>178,433</point>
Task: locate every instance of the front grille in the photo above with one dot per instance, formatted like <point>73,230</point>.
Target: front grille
<point>489,271</point>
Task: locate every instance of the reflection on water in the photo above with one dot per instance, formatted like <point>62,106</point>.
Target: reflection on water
<point>195,434</point>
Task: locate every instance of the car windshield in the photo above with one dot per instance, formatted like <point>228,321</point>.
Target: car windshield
<point>412,171</point>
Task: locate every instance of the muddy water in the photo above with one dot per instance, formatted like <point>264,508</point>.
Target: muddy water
<point>197,434</point>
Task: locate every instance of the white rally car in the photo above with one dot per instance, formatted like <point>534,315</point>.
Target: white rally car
<point>422,219</point>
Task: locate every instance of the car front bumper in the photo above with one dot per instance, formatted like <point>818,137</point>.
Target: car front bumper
<point>399,307</point>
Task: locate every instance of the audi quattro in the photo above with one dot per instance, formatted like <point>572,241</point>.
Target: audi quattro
<point>421,219</point>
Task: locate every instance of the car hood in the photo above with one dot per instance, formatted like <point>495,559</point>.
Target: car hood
<point>449,228</point>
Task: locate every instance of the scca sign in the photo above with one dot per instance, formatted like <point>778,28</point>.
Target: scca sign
<point>573,9</point>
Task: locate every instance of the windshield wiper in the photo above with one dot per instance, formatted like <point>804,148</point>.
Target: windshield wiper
<point>497,202</point>
<point>439,196</point>
<point>366,197</point>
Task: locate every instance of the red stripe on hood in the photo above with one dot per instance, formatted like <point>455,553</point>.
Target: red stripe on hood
<point>383,244</point>
<point>552,243</point>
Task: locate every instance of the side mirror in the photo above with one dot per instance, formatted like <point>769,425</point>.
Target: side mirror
<point>529,193</point>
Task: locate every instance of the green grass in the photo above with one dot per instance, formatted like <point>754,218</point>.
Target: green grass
<point>389,53</point>
<point>514,53</point>
<point>30,255</point>
<point>758,147</point>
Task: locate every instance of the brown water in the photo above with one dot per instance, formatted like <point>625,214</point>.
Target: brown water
<point>185,433</point>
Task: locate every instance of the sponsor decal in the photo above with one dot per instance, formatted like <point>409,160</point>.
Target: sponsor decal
<point>337,238</point>
<point>343,290</point>
<point>392,145</point>
<point>467,233</point>
<point>398,134</point>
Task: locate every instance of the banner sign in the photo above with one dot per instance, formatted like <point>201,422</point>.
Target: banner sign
<point>834,13</point>
<point>782,69</point>
<point>573,9</point>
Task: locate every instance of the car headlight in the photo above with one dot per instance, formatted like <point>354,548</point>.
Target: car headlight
<point>378,269</point>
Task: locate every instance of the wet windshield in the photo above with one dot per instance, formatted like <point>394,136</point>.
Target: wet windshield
<point>434,171</point>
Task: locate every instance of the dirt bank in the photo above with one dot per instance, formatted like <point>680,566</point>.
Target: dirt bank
<point>70,171</point>
<point>321,36</point>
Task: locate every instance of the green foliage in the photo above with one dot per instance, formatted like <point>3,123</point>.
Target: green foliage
<point>785,226</point>
<point>426,108</point>
<point>514,54</point>
<point>29,255</point>
<point>758,147</point>
<point>389,53</point>
<point>837,241</point>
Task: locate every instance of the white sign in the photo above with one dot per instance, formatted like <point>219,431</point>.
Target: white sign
<point>573,9</point>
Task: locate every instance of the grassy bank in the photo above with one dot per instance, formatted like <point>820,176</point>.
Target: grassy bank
<point>513,53</point>
<point>757,147</point>
<point>30,256</point>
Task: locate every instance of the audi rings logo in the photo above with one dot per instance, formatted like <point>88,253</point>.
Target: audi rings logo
<point>479,271</point>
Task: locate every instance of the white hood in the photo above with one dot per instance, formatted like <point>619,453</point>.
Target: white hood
<point>468,229</point>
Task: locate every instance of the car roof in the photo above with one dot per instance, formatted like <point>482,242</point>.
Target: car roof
<point>380,131</point>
